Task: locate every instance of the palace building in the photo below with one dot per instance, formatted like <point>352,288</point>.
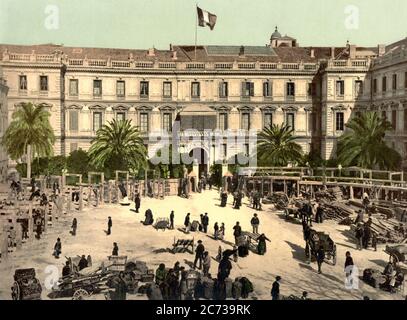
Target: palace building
<point>315,90</point>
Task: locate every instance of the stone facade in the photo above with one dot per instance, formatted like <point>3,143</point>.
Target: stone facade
<point>316,90</point>
<point>3,126</point>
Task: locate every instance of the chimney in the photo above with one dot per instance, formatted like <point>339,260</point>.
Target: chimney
<point>332,52</point>
<point>170,46</point>
<point>381,49</point>
<point>352,51</point>
<point>151,52</point>
<point>312,53</point>
<point>241,52</point>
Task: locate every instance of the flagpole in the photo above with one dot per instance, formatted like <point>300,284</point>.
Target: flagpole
<point>196,28</point>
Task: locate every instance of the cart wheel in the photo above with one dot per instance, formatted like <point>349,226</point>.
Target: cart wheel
<point>334,256</point>
<point>15,291</point>
<point>80,294</point>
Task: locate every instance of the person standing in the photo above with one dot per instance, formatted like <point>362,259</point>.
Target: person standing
<point>320,255</point>
<point>348,264</point>
<point>255,223</point>
<point>57,248</point>
<point>83,263</point>
<point>109,225</point>
<point>261,246</point>
<point>137,202</point>
<point>172,220</point>
<point>187,222</point>
<point>275,289</point>
<point>121,287</point>
<point>216,231</point>
<point>359,234</point>
<point>205,222</point>
<point>74,226</point>
<point>206,263</point>
<point>366,235</point>
<point>319,216</point>
<point>237,232</point>
<point>222,231</point>
<point>199,251</point>
<point>115,251</point>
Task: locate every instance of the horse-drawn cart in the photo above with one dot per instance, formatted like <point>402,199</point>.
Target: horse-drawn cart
<point>318,239</point>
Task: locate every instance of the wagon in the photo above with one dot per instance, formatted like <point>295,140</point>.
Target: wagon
<point>26,286</point>
<point>318,239</point>
<point>398,253</point>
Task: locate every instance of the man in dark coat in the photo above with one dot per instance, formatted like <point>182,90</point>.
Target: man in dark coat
<point>237,231</point>
<point>320,255</point>
<point>199,251</point>
<point>187,222</point>
<point>74,226</point>
<point>319,217</point>
<point>109,225</point>
<point>66,270</point>
<point>115,251</point>
<point>359,234</point>
<point>225,266</point>
<point>255,223</point>
<point>172,220</point>
<point>83,263</point>
<point>366,235</point>
<point>205,222</point>
<point>137,201</point>
<point>121,288</point>
<point>57,248</point>
<point>275,289</point>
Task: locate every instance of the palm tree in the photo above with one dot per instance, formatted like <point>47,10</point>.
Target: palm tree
<point>29,133</point>
<point>364,146</point>
<point>118,145</point>
<point>276,146</point>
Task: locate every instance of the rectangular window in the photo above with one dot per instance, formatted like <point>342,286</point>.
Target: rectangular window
<point>120,116</point>
<point>73,120</point>
<point>405,80</point>
<point>384,84</point>
<point>144,125</point>
<point>248,89</point>
<point>144,89</point>
<point>246,149</point>
<point>224,151</point>
<point>223,121</point>
<point>394,82</point>
<point>73,87</point>
<point>97,88</point>
<point>268,120</point>
<point>44,83</point>
<point>223,90</point>
<point>340,124</point>
<point>120,88</point>
<point>340,88</point>
<point>358,87</point>
<point>23,83</point>
<point>374,85</point>
<point>195,89</point>
<point>290,120</point>
<point>267,89</point>
<point>394,119</point>
<point>167,89</point>
<point>73,146</point>
<point>167,122</point>
<point>405,118</point>
<point>290,89</point>
<point>246,121</point>
<point>97,121</point>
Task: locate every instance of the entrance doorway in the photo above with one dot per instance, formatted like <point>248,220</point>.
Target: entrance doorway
<point>201,156</point>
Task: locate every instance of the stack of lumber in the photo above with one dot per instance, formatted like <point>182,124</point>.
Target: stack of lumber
<point>337,211</point>
<point>331,194</point>
<point>389,231</point>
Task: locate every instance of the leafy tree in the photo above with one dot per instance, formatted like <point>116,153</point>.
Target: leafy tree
<point>118,146</point>
<point>276,146</point>
<point>29,133</point>
<point>78,162</point>
<point>364,145</point>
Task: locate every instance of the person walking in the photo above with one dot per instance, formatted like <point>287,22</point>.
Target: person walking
<point>187,222</point>
<point>74,226</point>
<point>275,289</point>
<point>109,225</point>
<point>255,223</point>
<point>115,251</point>
<point>172,220</point>
<point>320,258</point>
<point>137,202</point>
<point>216,231</point>
<point>206,263</point>
<point>57,248</point>
<point>205,222</point>
<point>199,251</point>
<point>237,232</point>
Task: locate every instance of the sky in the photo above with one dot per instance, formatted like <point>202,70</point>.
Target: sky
<point>147,23</point>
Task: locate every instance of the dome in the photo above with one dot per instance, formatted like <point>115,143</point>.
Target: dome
<point>276,34</point>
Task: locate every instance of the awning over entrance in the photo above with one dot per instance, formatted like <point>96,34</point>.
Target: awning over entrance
<point>198,117</point>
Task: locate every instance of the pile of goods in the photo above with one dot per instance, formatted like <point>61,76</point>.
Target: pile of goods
<point>141,271</point>
<point>26,286</point>
<point>331,194</point>
<point>337,211</point>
